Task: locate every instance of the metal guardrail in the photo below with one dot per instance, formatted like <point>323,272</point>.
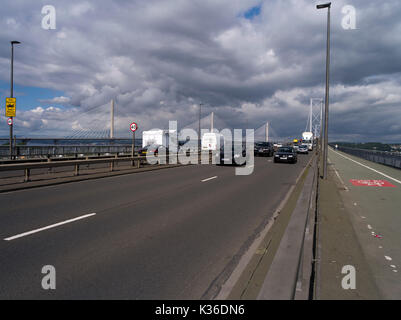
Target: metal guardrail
<point>64,150</point>
<point>388,158</point>
<point>27,167</point>
<point>136,161</point>
<point>290,273</point>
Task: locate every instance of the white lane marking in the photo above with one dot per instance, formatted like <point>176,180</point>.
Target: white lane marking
<point>339,178</point>
<point>388,258</point>
<point>204,180</point>
<point>392,266</point>
<point>383,174</point>
<point>49,227</point>
<point>369,227</point>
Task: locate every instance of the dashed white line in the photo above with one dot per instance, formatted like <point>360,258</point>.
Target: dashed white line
<point>369,227</point>
<point>49,227</point>
<point>388,258</point>
<point>365,166</point>
<point>204,180</point>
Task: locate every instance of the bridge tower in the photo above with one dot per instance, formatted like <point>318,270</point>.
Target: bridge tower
<point>112,119</point>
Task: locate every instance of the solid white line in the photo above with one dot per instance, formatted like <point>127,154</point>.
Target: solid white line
<point>48,227</point>
<point>383,174</point>
<point>339,178</point>
<point>209,179</point>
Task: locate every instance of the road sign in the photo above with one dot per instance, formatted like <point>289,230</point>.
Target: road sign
<point>10,107</point>
<point>10,121</point>
<point>133,127</point>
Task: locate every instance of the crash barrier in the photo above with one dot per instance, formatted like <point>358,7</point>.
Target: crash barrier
<point>136,161</point>
<point>388,158</point>
<point>290,273</point>
<point>62,150</point>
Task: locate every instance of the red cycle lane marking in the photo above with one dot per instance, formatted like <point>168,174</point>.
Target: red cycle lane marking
<point>371,183</point>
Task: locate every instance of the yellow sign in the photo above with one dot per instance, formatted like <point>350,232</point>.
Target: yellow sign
<point>10,107</point>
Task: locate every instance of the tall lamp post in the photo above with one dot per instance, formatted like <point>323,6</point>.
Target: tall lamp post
<point>12,94</point>
<point>199,124</point>
<point>326,107</point>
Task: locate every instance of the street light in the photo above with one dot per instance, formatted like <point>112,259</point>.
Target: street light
<point>326,107</point>
<point>12,94</point>
<point>199,129</point>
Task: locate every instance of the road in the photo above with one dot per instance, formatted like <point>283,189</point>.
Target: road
<point>168,234</point>
<point>375,215</point>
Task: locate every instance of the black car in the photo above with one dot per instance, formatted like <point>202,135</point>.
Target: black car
<point>286,154</point>
<point>222,158</point>
<point>264,149</point>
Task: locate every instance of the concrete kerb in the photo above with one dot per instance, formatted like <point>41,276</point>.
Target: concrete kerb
<point>230,283</point>
<point>287,266</point>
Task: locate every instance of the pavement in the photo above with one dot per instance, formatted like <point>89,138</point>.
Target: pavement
<point>360,225</point>
<point>176,233</point>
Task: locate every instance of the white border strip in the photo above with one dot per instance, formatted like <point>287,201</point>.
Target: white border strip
<point>48,227</point>
<point>383,174</point>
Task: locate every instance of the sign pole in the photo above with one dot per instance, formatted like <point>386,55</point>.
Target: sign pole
<point>133,144</point>
<point>12,95</point>
<point>133,128</point>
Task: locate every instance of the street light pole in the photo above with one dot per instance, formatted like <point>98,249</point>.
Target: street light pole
<point>12,95</point>
<point>326,107</point>
<point>199,127</point>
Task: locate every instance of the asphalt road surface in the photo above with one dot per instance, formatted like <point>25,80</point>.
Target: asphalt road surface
<point>168,234</point>
<point>375,215</point>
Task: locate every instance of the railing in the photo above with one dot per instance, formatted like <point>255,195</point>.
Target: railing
<point>136,161</point>
<point>62,150</point>
<point>27,167</point>
<point>388,158</point>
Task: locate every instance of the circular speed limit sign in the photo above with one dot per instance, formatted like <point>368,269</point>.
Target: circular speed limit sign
<point>133,127</point>
<point>10,121</point>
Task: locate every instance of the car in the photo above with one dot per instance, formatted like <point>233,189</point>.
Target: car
<point>303,148</point>
<point>222,159</point>
<point>151,148</point>
<point>286,154</point>
<point>264,149</point>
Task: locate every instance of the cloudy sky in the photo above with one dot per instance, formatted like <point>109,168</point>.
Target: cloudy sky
<point>249,61</point>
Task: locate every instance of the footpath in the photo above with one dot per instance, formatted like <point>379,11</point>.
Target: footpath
<point>359,225</point>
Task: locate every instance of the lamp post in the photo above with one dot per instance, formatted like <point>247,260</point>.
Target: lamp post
<point>199,126</point>
<point>12,94</point>
<point>326,106</point>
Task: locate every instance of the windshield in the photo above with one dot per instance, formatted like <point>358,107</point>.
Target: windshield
<point>285,149</point>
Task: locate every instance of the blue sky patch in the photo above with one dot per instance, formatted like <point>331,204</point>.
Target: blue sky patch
<point>28,97</point>
<point>253,12</point>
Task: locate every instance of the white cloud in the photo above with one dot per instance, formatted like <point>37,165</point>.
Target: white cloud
<point>180,53</point>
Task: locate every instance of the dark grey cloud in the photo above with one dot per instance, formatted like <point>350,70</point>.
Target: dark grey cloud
<point>159,59</point>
